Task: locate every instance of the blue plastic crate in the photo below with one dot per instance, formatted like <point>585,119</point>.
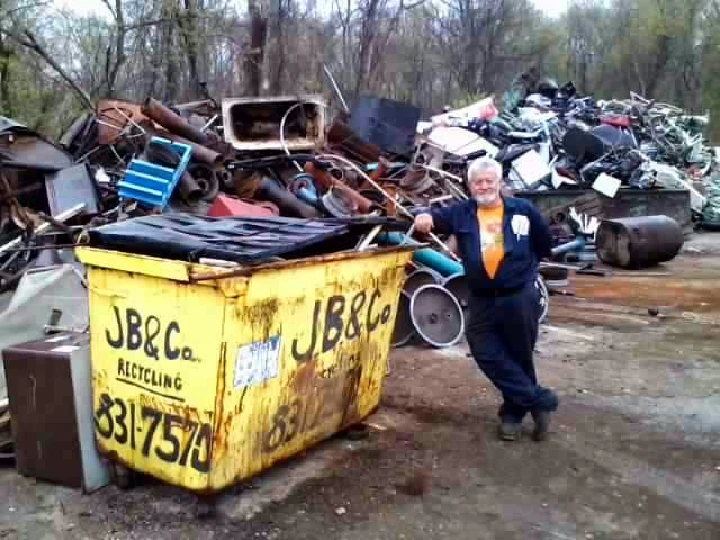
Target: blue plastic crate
<point>151,184</point>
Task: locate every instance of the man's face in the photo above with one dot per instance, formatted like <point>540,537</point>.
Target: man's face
<point>485,188</point>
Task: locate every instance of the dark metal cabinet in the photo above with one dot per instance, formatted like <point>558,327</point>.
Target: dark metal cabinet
<point>50,392</point>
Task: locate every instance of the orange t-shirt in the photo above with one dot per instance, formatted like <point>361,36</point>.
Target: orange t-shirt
<point>492,245</point>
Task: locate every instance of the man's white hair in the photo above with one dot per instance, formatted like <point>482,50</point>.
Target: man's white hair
<point>483,164</point>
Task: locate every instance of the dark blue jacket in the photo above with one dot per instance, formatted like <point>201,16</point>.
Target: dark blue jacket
<point>522,252</point>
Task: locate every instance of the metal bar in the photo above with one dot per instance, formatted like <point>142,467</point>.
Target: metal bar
<point>42,248</point>
<point>441,199</point>
<point>20,191</point>
<point>67,214</point>
<point>282,131</point>
<point>194,104</point>
<point>365,242</point>
<point>199,152</point>
<point>336,88</point>
<point>209,123</point>
<point>29,166</point>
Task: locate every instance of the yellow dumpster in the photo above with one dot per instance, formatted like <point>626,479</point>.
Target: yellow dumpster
<point>205,376</point>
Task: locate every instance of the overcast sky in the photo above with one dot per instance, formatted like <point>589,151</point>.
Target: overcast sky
<point>552,8</point>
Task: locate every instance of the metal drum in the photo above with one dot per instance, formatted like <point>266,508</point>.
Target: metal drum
<point>638,242</point>
<point>458,286</point>
<point>437,316</point>
<point>404,329</point>
<point>420,277</point>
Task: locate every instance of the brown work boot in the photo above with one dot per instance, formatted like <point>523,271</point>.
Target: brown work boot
<point>509,431</point>
<point>542,425</point>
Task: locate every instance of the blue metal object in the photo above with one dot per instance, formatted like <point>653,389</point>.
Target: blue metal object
<point>152,184</point>
<point>303,185</point>
<point>583,247</point>
<point>576,245</point>
<point>307,195</point>
<point>427,257</point>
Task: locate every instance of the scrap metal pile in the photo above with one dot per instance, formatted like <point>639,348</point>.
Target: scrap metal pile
<point>548,137</point>
<point>251,180</point>
<point>239,183</point>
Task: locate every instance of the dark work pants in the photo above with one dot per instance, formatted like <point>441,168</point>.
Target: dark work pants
<point>502,332</point>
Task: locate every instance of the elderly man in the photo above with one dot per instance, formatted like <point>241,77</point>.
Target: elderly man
<point>500,241</point>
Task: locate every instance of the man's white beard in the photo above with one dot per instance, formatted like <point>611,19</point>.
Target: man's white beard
<point>487,200</point>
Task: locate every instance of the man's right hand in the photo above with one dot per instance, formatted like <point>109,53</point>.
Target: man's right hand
<point>423,223</point>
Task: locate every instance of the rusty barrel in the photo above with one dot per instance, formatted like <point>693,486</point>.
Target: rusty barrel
<point>638,242</point>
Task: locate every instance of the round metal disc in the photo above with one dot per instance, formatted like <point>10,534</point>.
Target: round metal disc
<point>336,205</point>
<point>437,316</point>
<point>404,329</point>
<point>458,286</point>
<point>420,277</point>
<point>206,179</point>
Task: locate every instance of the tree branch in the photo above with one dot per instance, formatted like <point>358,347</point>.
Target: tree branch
<point>110,8</point>
<point>22,8</point>
<point>27,39</point>
<point>153,22</point>
<point>120,56</point>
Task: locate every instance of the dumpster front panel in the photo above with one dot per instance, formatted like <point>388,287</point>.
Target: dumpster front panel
<point>306,352</point>
<point>155,347</point>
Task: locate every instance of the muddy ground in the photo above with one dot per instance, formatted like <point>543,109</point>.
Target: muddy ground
<point>634,453</point>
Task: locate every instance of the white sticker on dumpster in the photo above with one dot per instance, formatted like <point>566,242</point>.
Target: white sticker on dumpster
<point>257,362</point>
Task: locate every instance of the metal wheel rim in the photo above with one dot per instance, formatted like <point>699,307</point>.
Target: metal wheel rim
<point>544,298</point>
<point>417,326</point>
<point>424,271</point>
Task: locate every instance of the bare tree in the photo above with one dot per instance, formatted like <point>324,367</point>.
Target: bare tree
<point>254,58</point>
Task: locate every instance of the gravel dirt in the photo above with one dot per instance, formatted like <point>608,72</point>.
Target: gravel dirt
<point>634,453</point>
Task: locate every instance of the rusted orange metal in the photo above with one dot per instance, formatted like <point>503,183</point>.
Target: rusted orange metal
<point>176,124</point>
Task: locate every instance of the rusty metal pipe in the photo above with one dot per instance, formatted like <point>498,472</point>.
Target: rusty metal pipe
<point>287,202</point>
<point>200,153</point>
<point>189,189</point>
<point>326,180</point>
<point>174,123</point>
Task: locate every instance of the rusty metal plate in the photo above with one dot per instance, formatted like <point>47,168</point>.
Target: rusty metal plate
<point>114,116</point>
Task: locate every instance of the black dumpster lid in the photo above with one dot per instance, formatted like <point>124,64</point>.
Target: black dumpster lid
<point>242,240</point>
